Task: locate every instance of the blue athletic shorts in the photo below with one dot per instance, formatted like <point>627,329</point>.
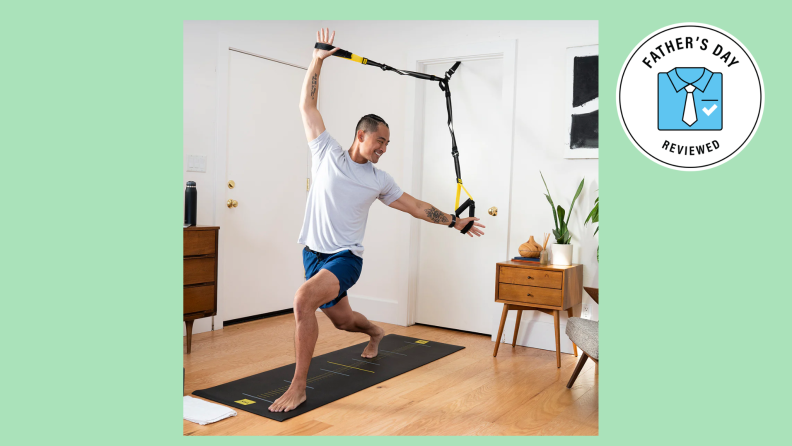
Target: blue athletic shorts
<point>344,265</point>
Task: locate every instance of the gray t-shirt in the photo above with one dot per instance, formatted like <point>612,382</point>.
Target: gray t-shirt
<point>341,194</point>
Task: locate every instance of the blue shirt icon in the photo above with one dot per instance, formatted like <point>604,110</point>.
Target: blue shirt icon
<point>689,99</point>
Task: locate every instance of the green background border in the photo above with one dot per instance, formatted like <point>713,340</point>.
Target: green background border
<point>693,264</point>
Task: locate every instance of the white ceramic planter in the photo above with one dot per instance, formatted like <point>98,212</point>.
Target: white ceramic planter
<point>562,254</point>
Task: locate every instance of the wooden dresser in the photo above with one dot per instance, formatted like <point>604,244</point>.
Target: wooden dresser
<point>200,275</point>
<point>530,286</point>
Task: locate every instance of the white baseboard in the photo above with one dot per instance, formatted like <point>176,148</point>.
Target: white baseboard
<point>536,334</point>
<point>202,326</point>
<point>377,309</point>
<point>374,308</point>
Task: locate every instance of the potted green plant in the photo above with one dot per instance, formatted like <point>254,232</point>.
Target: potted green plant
<point>562,249</point>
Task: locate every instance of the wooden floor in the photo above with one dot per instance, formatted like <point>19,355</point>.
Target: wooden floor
<point>521,392</point>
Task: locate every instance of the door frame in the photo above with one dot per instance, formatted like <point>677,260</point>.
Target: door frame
<point>225,45</point>
<point>413,154</point>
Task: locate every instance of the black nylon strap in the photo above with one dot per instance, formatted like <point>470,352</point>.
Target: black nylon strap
<point>454,151</point>
<point>347,55</point>
<point>340,53</point>
<point>467,227</point>
<point>443,83</point>
<point>471,206</point>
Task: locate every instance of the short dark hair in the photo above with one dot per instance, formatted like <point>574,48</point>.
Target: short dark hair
<point>369,123</point>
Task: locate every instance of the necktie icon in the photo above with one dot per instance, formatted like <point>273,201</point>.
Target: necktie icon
<point>689,115</point>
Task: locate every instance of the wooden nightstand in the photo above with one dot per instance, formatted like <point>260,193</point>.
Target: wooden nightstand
<point>530,286</point>
<point>200,275</point>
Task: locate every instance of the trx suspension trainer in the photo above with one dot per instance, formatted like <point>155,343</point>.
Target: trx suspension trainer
<point>443,82</point>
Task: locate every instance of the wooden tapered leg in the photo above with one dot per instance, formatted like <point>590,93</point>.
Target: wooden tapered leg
<point>517,327</point>
<point>500,329</point>
<point>189,334</point>
<point>558,337</point>
<point>571,314</point>
<point>579,367</point>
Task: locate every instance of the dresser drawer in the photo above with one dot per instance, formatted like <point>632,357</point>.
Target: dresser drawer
<point>532,277</point>
<point>200,270</point>
<point>198,243</point>
<point>530,294</point>
<point>199,299</point>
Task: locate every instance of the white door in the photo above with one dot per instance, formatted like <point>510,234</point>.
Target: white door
<point>266,158</point>
<point>456,273</point>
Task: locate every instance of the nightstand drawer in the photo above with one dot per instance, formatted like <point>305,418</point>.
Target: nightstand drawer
<point>199,299</point>
<point>530,294</point>
<point>200,270</point>
<point>532,277</point>
<point>198,243</point>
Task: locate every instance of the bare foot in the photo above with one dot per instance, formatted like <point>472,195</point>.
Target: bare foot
<point>371,349</point>
<point>289,400</point>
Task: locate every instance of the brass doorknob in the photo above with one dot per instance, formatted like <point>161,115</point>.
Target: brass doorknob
<point>493,211</point>
<point>232,203</point>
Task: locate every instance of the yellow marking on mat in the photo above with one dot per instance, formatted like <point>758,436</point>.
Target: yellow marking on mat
<point>245,402</point>
<point>327,374</point>
<point>273,392</point>
<point>284,388</point>
<point>420,341</point>
<point>350,367</point>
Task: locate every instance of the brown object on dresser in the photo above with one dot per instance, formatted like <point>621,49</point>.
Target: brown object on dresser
<point>549,289</point>
<point>200,275</point>
<point>530,248</point>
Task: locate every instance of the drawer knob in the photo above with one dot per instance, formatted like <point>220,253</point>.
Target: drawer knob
<point>530,277</point>
<point>529,295</point>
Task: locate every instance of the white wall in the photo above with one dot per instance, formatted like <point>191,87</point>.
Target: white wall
<point>200,97</point>
<point>282,40</point>
<point>349,91</point>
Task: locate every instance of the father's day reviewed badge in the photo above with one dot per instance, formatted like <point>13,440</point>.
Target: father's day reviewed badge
<point>690,96</point>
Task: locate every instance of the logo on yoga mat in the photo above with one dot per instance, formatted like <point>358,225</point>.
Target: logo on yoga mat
<point>420,341</point>
<point>690,96</point>
<point>245,402</point>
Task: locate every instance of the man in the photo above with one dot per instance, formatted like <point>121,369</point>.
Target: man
<point>345,184</point>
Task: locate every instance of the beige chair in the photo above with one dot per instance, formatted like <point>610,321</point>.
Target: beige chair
<point>585,334</point>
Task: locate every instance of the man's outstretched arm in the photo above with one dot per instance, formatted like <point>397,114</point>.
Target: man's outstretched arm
<point>426,212</point>
<point>312,120</point>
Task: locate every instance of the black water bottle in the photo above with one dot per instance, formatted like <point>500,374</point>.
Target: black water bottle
<point>190,204</point>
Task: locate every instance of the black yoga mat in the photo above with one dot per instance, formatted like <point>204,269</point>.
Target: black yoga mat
<point>330,377</point>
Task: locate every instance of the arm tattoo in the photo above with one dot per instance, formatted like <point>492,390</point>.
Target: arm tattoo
<point>313,86</point>
<point>435,215</point>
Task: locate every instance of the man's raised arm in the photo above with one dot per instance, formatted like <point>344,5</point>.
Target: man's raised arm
<point>312,120</point>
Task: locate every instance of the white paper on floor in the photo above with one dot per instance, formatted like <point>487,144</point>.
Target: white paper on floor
<point>203,412</point>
